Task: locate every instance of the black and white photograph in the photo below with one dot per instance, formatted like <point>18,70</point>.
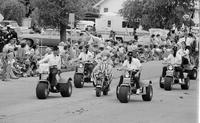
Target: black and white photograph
<point>99,61</point>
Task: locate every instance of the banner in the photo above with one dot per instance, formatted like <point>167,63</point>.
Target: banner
<point>162,32</point>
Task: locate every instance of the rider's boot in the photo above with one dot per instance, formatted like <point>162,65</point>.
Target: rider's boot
<point>181,81</point>
<point>138,91</point>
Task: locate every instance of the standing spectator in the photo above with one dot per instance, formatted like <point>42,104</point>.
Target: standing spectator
<point>21,52</point>
<point>158,40</point>
<point>29,45</point>
<point>5,74</point>
<point>2,38</point>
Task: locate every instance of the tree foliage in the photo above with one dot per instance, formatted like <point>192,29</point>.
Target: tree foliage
<point>55,13</point>
<point>131,12</point>
<point>158,13</point>
<point>12,10</point>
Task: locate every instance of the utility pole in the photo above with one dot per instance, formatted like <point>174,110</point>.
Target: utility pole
<point>199,14</point>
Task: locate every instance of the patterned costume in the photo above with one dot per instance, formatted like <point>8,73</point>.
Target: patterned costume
<point>104,67</point>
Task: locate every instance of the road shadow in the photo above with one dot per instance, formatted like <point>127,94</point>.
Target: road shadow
<point>88,86</point>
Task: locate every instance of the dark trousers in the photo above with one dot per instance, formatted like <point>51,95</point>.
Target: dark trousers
<point>178,69</point>
<point>137,81</point>
<point>52,76</point>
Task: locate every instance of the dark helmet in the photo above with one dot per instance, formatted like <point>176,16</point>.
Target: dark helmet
<point>55,48</point>
<point>87,47</point>
<point>174,48</point>
<point>130,54</point>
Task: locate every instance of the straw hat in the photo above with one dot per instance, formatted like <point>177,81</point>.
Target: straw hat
<point>106,53</point>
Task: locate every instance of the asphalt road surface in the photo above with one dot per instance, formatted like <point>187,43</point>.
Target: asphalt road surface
<point>18,103</point>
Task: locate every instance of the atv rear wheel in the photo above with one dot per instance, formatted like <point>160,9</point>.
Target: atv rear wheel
<point>186,85</point>
<point>78,80</point>
<point>42,91</point>
<point>98,91</point>
<point>194,74</point>
<point>66,89</point>
<point>160,83</point>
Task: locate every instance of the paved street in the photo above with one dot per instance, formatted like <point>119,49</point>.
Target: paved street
<point>18,103</point>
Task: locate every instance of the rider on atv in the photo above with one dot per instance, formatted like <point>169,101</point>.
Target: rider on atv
<point>132,63</point>
<point>174,59</point>
<point>104,66</point>
<point>84,56</point>
<point>53,60</point>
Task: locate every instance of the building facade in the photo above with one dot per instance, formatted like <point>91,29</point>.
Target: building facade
<point>112,6</point>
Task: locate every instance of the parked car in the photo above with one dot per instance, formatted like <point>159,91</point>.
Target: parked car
<point>52,38</point>
<point>14,25</point>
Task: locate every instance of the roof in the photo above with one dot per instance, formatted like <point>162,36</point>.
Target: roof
<point>99,3</point>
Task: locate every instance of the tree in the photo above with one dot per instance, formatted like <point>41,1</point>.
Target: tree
<point>12,10</point>
<point>55,13</point>
<point>160,13</point>
<point>29,8</point>
<point>132,12</point>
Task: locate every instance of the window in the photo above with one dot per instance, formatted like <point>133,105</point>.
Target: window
<point>109,23</point>
<point>105,10</point>
<point>125,24</point>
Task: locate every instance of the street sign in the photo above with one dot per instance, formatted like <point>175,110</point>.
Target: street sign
<point>1,17</point>
<point>71,19</point>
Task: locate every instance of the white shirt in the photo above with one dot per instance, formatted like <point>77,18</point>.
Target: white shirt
<point>135,64</point>
<point>121,50</point>
<point>61,49</point>
<point>85,57</point>
<point>174,60</point>
<point>189,41</point>
<point>52,60</point>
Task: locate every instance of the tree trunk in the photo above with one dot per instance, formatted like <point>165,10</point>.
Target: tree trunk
<point>63,32</point>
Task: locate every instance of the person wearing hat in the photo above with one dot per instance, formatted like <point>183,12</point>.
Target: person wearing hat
<point>184,53</point>
<point>174,59</point>
<point>104,66</point>
<point>132,63</point>
<point>85,55</point>
<point>2,38</point>
<point>53,60</point>
<point>98,56</point>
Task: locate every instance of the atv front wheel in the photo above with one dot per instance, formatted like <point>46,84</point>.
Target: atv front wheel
<point>124,94</point>
<point>168,83</point>
<point>149,93</point>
